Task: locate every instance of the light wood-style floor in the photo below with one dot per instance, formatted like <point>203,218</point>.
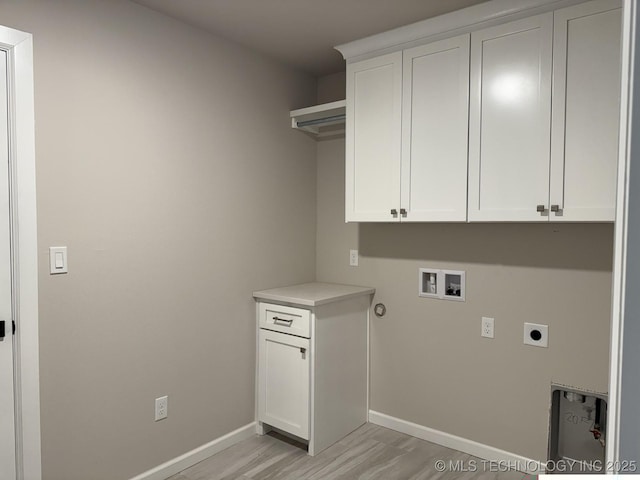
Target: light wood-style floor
<point>369,453</point>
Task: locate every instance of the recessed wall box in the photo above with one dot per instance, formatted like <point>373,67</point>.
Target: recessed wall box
<point>578,431</point>
<point>441,284</point>
<point>428,282</point>
<point>453,285</point>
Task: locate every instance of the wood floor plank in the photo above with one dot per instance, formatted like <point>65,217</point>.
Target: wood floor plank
<point>255,452</point>
<point>369,453</point>
<point>359,461</point>
<point>303,467</point>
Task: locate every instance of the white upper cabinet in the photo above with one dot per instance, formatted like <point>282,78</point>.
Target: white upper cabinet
<point>509,124</point>
<point>435,112</point>
<point>374,117</point>
<point>586,86</point>
<point>516,122</point>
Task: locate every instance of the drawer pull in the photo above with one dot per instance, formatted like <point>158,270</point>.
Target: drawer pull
<point>287,321</point>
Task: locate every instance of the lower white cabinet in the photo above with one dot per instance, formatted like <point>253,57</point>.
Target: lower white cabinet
<point>312,372</point>
<point>284,382</point>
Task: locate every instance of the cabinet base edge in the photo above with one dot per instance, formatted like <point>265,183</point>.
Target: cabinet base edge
<point>176,465</point>
<point>485,452</point>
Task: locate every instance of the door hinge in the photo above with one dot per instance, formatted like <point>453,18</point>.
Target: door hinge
<point>13,327</point>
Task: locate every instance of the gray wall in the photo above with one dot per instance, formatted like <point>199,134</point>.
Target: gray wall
<point>332,87</point>
<point>429,364</point>
<point>166,163</point>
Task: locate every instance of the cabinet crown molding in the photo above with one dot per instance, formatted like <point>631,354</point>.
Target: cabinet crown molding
<point>449,24</point>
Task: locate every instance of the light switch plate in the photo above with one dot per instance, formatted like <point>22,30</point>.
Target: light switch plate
<point>58,260</point>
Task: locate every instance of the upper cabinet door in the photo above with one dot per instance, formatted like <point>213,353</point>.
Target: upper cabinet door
<point>435,114</point>
<point>509,137</point>
<point>586,111</point>
<point>374,117</point>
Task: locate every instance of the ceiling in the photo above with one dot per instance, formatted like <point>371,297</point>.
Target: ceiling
<point>302,33</point>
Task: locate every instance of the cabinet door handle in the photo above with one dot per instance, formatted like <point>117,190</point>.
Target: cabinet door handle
<point>403,212</point>
<point>303,350</point>
<point>540,208</point>
<point>288,321</point>
<point>394,211</point>
<point>555,208</point>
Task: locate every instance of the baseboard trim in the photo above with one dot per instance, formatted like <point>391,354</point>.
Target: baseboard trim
<point>176,465</point>
<point>480,450</point>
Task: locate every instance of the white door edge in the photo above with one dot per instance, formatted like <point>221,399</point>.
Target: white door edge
<point>19,48</point>
<point>620,239</point>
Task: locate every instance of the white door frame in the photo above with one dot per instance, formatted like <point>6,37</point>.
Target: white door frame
<point>19,48</point>
<point>630,37</point>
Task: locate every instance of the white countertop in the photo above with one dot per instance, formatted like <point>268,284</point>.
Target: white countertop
<point>312,294</point>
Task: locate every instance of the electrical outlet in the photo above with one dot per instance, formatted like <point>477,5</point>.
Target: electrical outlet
<point>162,405</point>
<point>353,258</point>
<point>487,327</point>
<point>536,335</point>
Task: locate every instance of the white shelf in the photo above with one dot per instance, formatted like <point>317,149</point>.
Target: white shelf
<point>324,120</point>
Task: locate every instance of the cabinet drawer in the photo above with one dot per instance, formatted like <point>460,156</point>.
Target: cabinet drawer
<point>280,318</point>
